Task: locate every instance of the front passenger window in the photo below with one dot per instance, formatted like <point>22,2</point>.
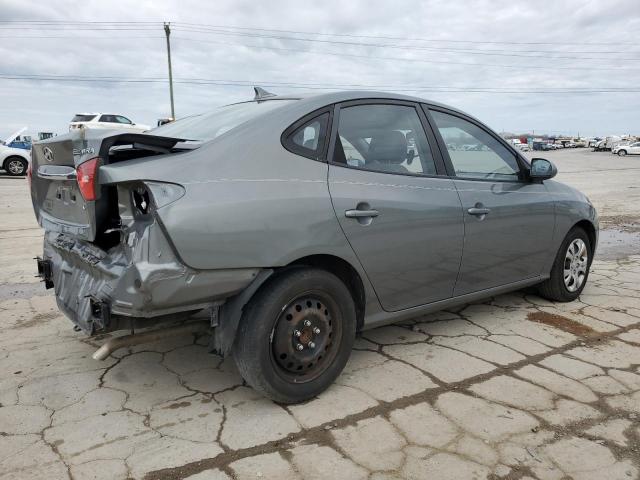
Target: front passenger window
<point>475,153</point>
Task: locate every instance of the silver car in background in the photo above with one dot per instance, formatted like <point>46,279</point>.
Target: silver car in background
<point>285,225</point>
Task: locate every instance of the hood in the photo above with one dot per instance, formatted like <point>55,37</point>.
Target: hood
<point>14,135</point>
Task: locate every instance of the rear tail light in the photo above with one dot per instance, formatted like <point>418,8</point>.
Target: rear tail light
<point>87,174</point>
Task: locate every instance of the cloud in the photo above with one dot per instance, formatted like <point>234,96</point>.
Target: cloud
<point>544,29</point>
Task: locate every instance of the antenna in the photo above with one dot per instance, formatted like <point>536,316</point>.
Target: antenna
<point>261,94</point>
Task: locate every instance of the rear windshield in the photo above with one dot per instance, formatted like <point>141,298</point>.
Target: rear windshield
<point>208,126</point>
<point>83,118</point>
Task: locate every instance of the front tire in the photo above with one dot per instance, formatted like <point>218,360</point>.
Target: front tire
<point>622,153</point>
<point>570,269</point>
<point>296,335</point>
<point>15,166</point>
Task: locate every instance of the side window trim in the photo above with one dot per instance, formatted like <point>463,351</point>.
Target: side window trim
<point>445,153</point>
<point>435,152</point>
<point>321,153</point>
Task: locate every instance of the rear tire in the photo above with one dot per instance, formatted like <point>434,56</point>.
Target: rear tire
<point>296,335</point>
<point>15,166</point>
<point>570,268</point>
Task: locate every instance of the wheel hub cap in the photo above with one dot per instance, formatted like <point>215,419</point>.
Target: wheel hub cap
<point>15,167</point>
<point>575,265</point>
<point>302,335</point>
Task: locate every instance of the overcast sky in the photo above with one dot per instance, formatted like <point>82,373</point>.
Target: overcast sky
<point>431,49</point>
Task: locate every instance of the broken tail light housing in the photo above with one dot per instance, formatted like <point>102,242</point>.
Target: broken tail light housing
<point>156,194</point>
<point>87,176</point>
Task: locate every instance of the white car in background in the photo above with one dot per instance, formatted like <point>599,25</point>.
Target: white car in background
<point>622,150</point>
<point>14,161</point>
<point>106,120</point>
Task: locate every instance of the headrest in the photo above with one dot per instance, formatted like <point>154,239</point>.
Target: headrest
<point>388,147</point>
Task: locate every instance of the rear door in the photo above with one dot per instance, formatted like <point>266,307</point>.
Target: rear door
<point>399,211</point>
<point>508,220</point>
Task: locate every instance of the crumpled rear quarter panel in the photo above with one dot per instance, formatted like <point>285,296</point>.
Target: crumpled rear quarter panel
<point>252,204</point>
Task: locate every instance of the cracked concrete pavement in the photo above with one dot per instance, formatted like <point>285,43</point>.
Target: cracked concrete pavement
<point>514,387</point>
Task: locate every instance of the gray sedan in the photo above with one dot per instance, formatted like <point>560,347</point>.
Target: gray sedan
<point>285,225</point>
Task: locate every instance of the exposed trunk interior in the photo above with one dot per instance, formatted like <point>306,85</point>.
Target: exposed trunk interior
<point>57,198</point>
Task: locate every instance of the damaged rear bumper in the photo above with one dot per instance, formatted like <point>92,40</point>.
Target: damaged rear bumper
<point>140,278</point>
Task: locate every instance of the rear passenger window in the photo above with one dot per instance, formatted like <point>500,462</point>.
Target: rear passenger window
<point>308,139</point>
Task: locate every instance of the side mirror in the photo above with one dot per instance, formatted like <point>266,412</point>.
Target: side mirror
<point>542,169</point>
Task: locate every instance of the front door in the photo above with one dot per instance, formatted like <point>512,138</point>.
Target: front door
<point>508,220</point>
<point>397,208</point>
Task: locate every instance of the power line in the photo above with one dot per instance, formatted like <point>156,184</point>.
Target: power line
<point>374,57</point>
<point>225,32</point>
<point>248,32</point>
<point>319,86</point>
<point>413,60</point>
<point>434,40</point>
<point>300,32</point>
<point>79,36</point>
<point>467,51</point>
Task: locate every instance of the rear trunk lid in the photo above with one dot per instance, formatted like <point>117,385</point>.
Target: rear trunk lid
<point>56,196</point>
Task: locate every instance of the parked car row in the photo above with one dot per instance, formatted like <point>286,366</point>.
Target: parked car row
<point>613,142</point>
<point>630,149</point>
<point>544,146</point>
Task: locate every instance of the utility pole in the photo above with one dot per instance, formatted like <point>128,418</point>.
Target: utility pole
<point>167,31</point>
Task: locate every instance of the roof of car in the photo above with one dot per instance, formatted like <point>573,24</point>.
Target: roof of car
<point>100,113</point>
<point>318,99</point>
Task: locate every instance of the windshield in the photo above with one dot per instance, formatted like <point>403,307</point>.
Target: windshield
<point>208,126</point>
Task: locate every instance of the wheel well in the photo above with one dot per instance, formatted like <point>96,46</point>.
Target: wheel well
<point>588,227</point>
<point>345,272</point>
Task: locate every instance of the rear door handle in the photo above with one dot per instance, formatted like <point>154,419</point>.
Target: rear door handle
<point>478,211</point>
<point>361,213</point>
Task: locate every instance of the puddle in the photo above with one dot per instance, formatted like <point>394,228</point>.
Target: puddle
<point>562,323</point>
<point>617,243</point>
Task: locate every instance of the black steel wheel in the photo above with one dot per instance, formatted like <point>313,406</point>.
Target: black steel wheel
<point>296,335</point>
<point>304,339</point>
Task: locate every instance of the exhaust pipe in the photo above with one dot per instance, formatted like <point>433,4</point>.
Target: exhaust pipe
<point>136,339</point>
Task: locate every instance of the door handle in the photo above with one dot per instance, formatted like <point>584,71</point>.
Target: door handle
<point>361,213</point>
<point>478,211</point>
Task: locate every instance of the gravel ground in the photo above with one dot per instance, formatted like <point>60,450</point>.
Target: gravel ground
<point>511,388</point>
